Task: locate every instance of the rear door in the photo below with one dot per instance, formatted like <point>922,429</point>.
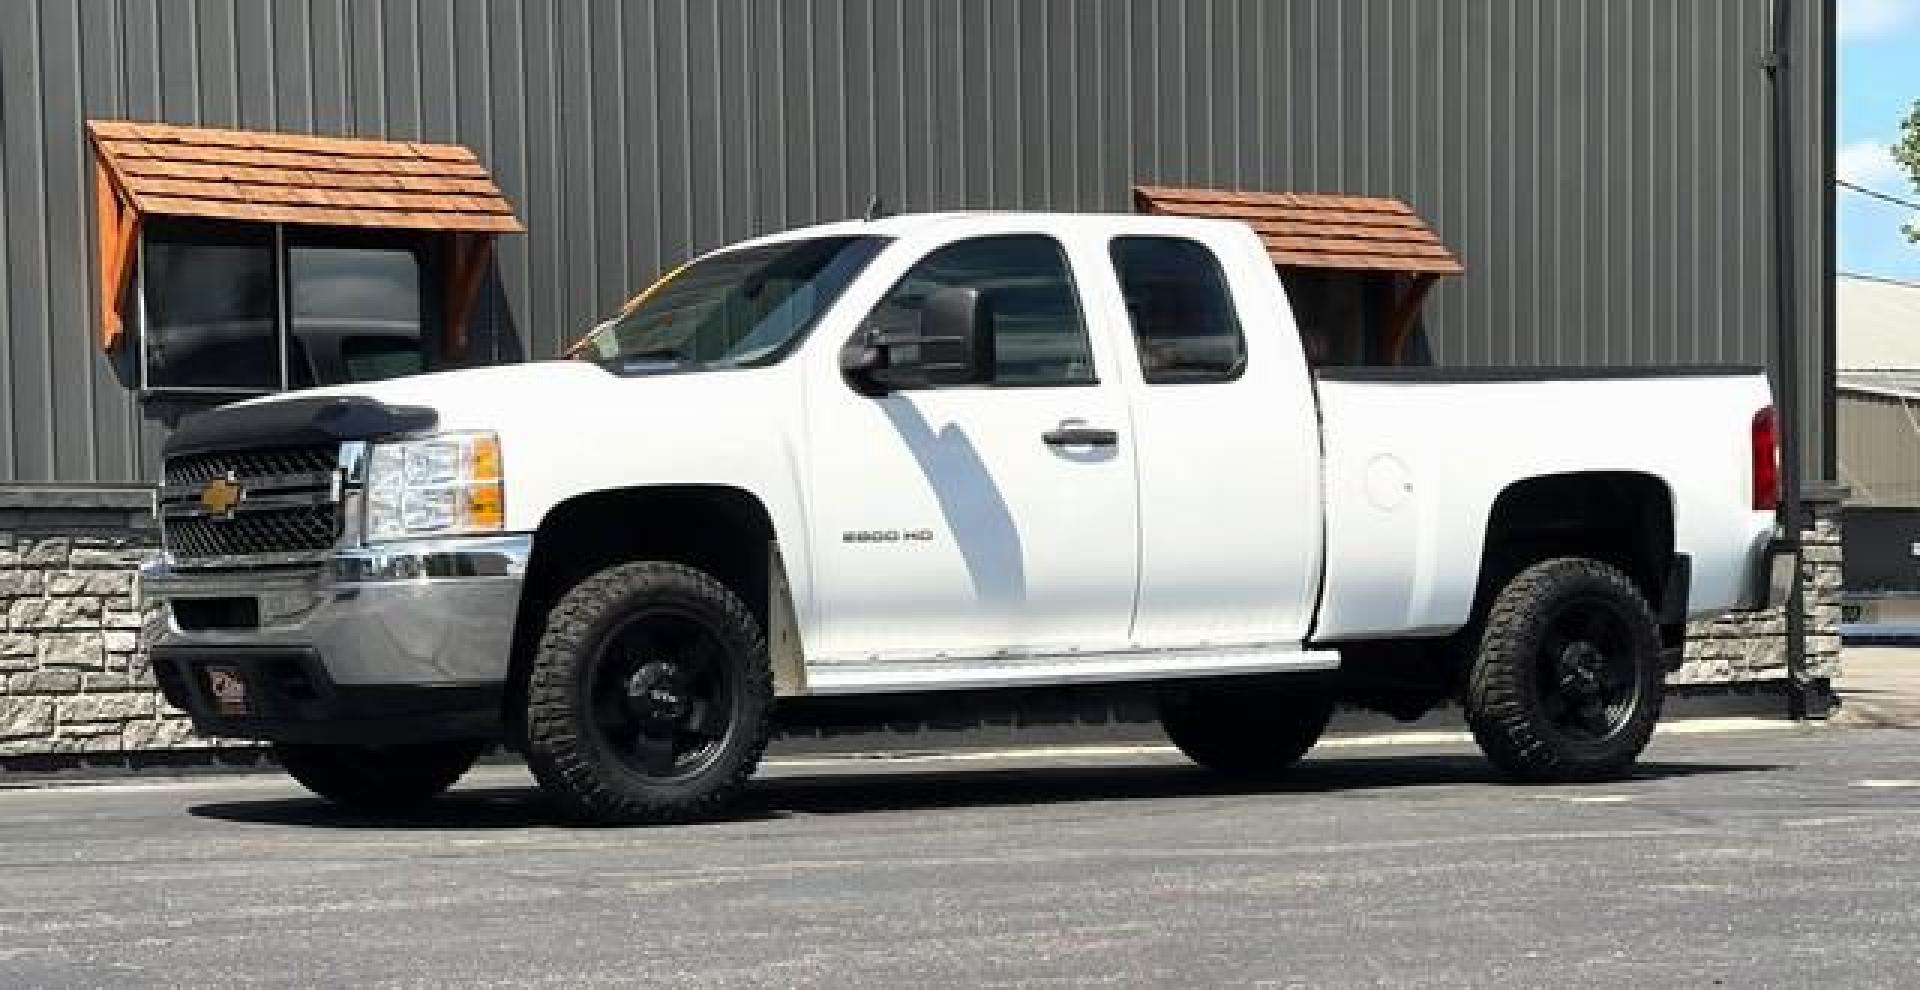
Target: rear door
<point>964,522</point>
<point>1226,440</point>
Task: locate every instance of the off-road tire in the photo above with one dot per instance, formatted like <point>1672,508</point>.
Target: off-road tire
<point>377,778</point>
<point>1253,732</point>
<point>576,768</point>
<point>1504,702</point>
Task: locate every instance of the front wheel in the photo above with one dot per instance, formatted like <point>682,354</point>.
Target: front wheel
<point>650,696</point>
<point>377,778</point>
<point>1245,730</point>
<point>1567,682</point>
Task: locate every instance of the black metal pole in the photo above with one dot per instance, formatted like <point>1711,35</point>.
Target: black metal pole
<point>1786,384</point>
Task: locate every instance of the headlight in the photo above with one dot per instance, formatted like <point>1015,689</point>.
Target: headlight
<point>437,486</point>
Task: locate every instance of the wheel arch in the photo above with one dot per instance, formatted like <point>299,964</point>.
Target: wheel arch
<point>723,530</point>
<point>1624,518</point>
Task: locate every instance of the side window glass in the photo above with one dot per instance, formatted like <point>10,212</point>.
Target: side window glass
<point>1184,323</point>
<point>1039,336</point>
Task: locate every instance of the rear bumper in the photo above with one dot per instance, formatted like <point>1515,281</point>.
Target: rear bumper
<point>1771,582</point>
<point>405,642</point>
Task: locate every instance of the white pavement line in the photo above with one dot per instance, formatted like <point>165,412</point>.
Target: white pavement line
<point>1731,723</point>
<point>1885,783</point>
<point>1417,737</point>
<point>223,781</point>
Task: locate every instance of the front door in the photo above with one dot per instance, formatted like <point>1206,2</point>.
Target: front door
<point>965,522</point>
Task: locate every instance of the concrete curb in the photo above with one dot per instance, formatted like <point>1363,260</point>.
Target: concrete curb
<point>1874,715</point>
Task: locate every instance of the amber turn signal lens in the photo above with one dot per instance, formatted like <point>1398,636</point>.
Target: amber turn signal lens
<point>483,463</point>
<point>486,506</point>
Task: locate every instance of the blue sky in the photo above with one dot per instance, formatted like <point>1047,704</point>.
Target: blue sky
<point>1879,78</point>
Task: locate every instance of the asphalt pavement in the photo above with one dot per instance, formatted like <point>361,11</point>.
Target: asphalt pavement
<point>1880,685</point>
<point>1738,856</point>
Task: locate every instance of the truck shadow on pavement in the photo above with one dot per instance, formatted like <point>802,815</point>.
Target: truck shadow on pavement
<point>902,789</point>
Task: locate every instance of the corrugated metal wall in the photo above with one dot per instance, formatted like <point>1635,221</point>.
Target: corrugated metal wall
<point>1879,448</point>
<point>1600,164</point>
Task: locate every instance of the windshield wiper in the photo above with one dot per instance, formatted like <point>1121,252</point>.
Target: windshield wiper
<point>658,354</point>
<point>655,357</point>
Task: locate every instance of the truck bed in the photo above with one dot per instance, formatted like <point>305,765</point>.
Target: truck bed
<point>1407,508</point>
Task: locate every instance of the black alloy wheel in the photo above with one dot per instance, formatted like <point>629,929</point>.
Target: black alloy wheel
<point>662,698</point>
<point>1586,683</point>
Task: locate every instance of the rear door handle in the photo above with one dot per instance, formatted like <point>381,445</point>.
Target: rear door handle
<point>1075,434</point>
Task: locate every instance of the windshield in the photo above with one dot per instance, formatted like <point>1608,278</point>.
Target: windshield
<point>735,309</point>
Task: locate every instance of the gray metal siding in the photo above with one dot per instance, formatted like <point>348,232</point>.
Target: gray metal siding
<point>1599,164</point>
<point>1879,448</point>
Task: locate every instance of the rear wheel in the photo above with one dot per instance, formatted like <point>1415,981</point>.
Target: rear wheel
<point>1567,682</point>
<point>1245,730</point>
<point>377,777</point>
<point>650,696</point>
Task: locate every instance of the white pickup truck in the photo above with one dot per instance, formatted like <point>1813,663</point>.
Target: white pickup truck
<point>928,460</point>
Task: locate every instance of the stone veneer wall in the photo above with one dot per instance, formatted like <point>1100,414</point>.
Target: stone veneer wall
<point>74,686</point>
<point>1747,648</point>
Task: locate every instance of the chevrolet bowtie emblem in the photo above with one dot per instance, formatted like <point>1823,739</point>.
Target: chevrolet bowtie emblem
<point>221,497</point>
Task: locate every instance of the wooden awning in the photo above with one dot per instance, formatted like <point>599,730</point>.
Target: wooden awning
<point>167,170</point>
<point>1310,230</point>
<point>147,169</point>
<point>1368,234</point>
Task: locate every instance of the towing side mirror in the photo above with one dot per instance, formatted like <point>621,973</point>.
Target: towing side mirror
<point>953,345</point>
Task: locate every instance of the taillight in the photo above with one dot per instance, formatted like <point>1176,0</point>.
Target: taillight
<point>1766,460</point>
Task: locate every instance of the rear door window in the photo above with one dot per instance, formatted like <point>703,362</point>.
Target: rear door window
<point>1184,325</point>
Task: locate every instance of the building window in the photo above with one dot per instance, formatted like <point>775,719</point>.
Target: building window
<point>255,308</point>
<point>211,316</point>
<point>357,314</point>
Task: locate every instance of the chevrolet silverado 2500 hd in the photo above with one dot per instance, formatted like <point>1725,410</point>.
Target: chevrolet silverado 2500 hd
<point>929,460</point>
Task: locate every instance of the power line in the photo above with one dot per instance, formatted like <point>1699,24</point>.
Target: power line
<point>1877,194</point>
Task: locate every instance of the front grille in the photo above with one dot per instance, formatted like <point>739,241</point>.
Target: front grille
<point>289,503</point>
<point>275,531</point>
<point>201,468</point>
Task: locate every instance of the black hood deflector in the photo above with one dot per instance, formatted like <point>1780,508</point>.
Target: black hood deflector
<point>296,423</point>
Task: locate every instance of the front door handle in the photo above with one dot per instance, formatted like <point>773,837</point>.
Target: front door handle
<point>1076,434</point>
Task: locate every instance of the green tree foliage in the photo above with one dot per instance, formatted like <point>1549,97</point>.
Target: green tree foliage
<point>1906,151</point>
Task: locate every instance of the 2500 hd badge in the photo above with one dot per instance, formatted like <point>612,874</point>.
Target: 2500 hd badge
<point>887,536</point>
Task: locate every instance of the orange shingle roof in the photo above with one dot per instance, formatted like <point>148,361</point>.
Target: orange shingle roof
<point>265,176</point>
<point>1305,230</point>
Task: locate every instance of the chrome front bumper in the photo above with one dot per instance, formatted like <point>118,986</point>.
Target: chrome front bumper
<point>427,612</point>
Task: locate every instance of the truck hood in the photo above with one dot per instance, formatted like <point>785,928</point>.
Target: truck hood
<point>565,427</point>
<point>531,404</point>
<point>479,398</point>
